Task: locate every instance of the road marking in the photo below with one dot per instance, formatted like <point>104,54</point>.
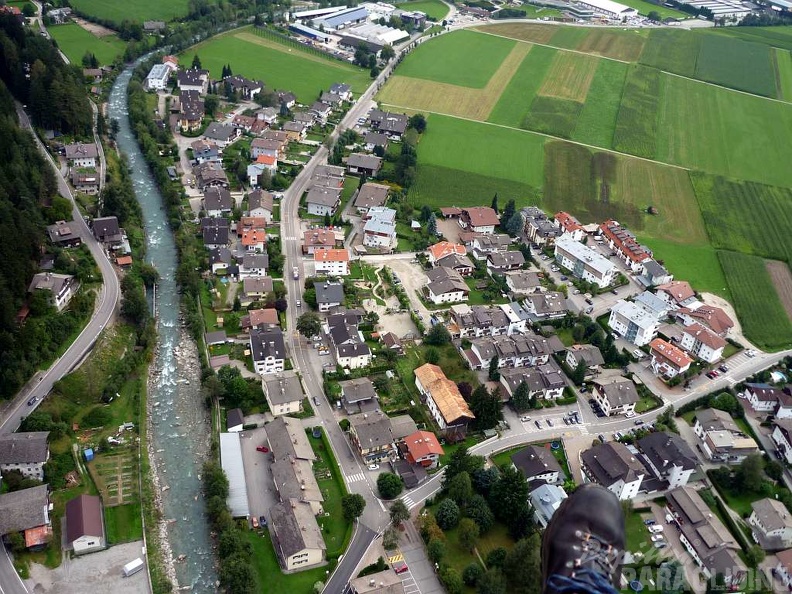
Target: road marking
<point>289,238</point>
<point>356,477</point>
<point>408,502</point>
<point>396,558</point>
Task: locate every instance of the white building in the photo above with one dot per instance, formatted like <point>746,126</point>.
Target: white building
<point>771,524</point>
<point>545,500</point>
<point>583,262</point>
<point>283,392</point>
<point>158,76</point>
<point>60,288</point>
<point>633,323</point>
<point>379,230</point>
<point>331,262</point>
<point>702,343</point>
<point>446,286</point>
<point>614,467</point>
<point>669,457</point>
<point>85,531</point>
<point>615,396</point>
<point>25,452</point>
<point>268,349</point>
<point>610,9</point>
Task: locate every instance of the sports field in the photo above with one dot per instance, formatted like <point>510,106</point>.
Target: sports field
<point>762,315</point>
<point>140,10</point>
<point>74,41</point>
<point>280,66</point>
<point>434,9</point>
<point>651,101</point>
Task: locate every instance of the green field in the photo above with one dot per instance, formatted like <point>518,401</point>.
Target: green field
<point>434,9</point>
<point>597,120</point>
<point>465,58</point>
<point>724,132</point>
<point>123,523</point>
<point>441,186</point>
<point>783,61</point>
<point>763,318</point>
<point>516,98</point>
<point>140,10</point>
<point>697,263</point>
<point>746,217</point>
<point>280,66</point>
<point>636,124</point>
<point>780,37</point>
<point>645,8</point>
<point>551,115</point>
<point>483,149</point>
<point>737,64</point>
<point>671,51</point>
<point>74,41</point>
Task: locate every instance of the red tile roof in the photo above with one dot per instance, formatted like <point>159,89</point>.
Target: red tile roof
<point>678,290</point>
<point>446,248</point>
<point>666,350</point>
<point>705,335</point>
<point>481,216</point>
<point>624,241</point>
<point>331,255</point>
<point>567,222</point>
<point>422,444</point>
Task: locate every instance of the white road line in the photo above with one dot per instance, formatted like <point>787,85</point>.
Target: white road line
<point>408,502</point>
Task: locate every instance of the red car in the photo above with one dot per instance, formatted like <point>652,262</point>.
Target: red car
<point>263,449</point>
<point>400,568</point>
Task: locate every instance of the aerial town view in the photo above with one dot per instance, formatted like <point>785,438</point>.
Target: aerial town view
<point>462,296</point>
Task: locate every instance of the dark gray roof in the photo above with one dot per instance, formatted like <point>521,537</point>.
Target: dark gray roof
<point>23,509</point>
<point>611,462</point>
<point>365,161</point>
<point>504,259</point>
<point>287,439</point>
<point>344,332</point>
<point>214,222</point>
<point>356,390</point>
<point>215,236</point>
<point>234,417</point>
<point>372,430</point>
<point>81,150</point>
<point>618,391</point>
<point>713,419</point>
<point>329,292</point>
<point>354,350</point>
<point>454,261</point>
<point>221,255</point>
<point>283,387</point>
<point>540,378</point>
<point>216,337</point>
<point>193,76</point>
<point>250,261</point>
<point>105,228</point>
<point>295,527</point>
<point>20,448</point>
<point>267,343</point>
<point>63,232</point>
<point>588,353</point>
<point>260,199</point>
<point>665,450</point>
<point>218,199</point>
<point>534,461</point>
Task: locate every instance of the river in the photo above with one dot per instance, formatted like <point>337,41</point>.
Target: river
<point>180,427</point>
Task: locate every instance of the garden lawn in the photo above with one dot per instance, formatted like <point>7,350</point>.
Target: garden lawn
<point>762,316</point>
<point>280,66</point>
<point>74,41</point>
<point>140,10</point>
<point>434,9</point>
<point>334,527</point>
<point>123,523</point>
<point>516,98</point>
<point>597,120</point>
<point>724,132</point>
<point>463,58</point>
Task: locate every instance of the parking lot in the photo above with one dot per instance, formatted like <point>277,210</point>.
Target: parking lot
<point>98,573</point>
<point>260,490</point>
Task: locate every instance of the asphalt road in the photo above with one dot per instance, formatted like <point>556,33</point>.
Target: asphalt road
<point>41,384</point>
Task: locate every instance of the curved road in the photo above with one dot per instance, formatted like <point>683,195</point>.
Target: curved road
<point>41,384</point>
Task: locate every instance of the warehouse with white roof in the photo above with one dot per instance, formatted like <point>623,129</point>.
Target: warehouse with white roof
<point>609,8</point>
<point>231,461</point>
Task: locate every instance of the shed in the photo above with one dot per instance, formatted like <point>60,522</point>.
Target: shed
<point>89,454</point>
<point>85,524</point>
<point>235,420</point>
<point>231,461</point>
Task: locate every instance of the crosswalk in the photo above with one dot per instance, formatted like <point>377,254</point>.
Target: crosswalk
<point>289,238</point>
<point>408,502</point>
<point>396,558</point>
<point>353,478</point>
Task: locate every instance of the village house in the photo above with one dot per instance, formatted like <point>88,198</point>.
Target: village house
<point>220,259</point>
<point>268,147</point>
<point>210,174</point>
<point>25,452</point>
<point>501,262</point>
<point>721,440</point>
<point>383,582</point>
<point>85,530</point>
<point>668,360</point>
<point>283,392</point>
<point>321,110</point>
<point>331,262</point>
<point>569,225</point>
<point>588,354</point>
<point>677,294</point>
<point>323,201</point>
<point>771,524</point>
<point>268,349</point>
<point>315,239</point>
<point>481,246</point>
<point>85,181</point>
<point>352,352</point>
<point>783,570</point>
<point>358,395</point>
<point>422,448</point>
<point>263,164</point>
<point>633,323</point>
<point>215,237</point>
<point>217,201</point>
<point>222,134</point>
<point>373,140</point>
<point>254,238</point>
<point>204,151</point>
<point>460,264</point>
<point>517,350</point>
<point>296,535</point>
<point>702,343</point>
<point>106,230</point>
<point>478,320</point>
<point>328,295</point>
<point>442,249</point>
<point>709,316</point>
<point>191,111</point>
<point>297,131</point>
<point>379,228</point>
<point>537,227</point>
<point>260,204</point>
<point>394,125</point>
<point>59,288</point>
<point>157,78</point>
<point>371,195</point>
<point>669,457</point>
<point>255,289</point>
<point>193,79</point>
<point>625,245</point>
<point>522,282</point>
<point>653,273</point>
<point>371,434</point>
<point>614,467</point>
<point>25,511</point>
<point>545,500</point>
<point>244,87</point>
<point>545,305</point>
<point>763,398</point>
<point>253,266</point>
<point>259,318</point>
<point>544,382</point>
<point>445,403</point>
<point>445,286</point>
<point>704,536</point>
<point>538,464</point>
<point>479,219</point>
<point>615,396</point>
<point>359,163</point>
<point>81,155</point>
<point>62,235</point>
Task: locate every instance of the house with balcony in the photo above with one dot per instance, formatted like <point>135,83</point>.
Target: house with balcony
<point>331,262</point>
<point>445,286</point>
<point>614,467</point>
<point>771,524</point>
<point>633,323</point>
<point>268,350</point>
<point>669,457</point>
<point>25,452</point>
<point>283,392</point>
<point>370,433</point>
<point>615,396</point>
<point>544,382</point>
<point>584,262</point>
<point>422,448</point>
<point>722,441</point>
<point>667,360</point>
<point>538,464</point>
<point>702,343</point>
<point>590,355</point>
<point>59,288</point>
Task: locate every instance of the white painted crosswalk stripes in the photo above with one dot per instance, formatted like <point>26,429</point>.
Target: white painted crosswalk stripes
<point>353,478</point>
<point>289,238</point>
<point>408,502</point>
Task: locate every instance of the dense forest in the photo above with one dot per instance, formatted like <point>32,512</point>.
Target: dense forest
<point>53,91</point>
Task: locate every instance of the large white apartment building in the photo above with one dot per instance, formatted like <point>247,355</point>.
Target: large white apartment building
<point>584,262</point>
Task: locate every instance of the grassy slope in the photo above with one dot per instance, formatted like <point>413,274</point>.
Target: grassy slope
<point>466,58</point>
<point>761,314</point>
<point>598,118</point>
<point>515,101</point>
<point>276,64</point>
<point>724,132</point>
<point>434,9</point>
<point>141,10</point>
<point>737,64</point>
<point>696,263</point>
<point>783,61</point>
<point>74,41</point>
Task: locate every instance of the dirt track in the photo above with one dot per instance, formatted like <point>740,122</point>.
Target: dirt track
<point>93,28</point>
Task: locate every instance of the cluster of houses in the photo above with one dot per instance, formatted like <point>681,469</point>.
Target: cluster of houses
<point>27,511</point>
<point>83,161</point>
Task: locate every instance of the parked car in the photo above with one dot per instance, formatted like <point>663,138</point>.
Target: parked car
<point>589,301</point>
<point>723,368</point>
<point>576,292</point>
<point>400,568</point>
<point>262,449</point>
<point>538,424</point>
<point>657,537</point>
<point>549,422</point>
<point>564,278</point>
<point>661,545</point>
<point>614,291</point>
<point>262,520</point>
<point>254,521</point>
<point>525,419</point>
<point>650,522</point>
<point>373,466</point>
<point>639,422</point>
<point>601,437</point>
<point>655,529</point>
<point>589,309</point>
